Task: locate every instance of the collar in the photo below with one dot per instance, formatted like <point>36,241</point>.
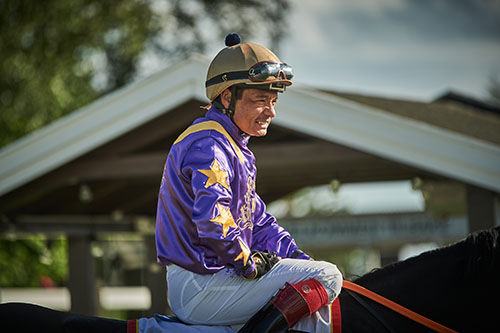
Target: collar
<point>238,135</point>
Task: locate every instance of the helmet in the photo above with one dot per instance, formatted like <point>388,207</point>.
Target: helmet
<point>246,65</point>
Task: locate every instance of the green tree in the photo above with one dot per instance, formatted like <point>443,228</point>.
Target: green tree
<point>59,55</point>
<point>25,261</point>
<point>50,53</point>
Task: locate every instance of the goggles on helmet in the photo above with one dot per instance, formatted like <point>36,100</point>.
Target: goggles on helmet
<point>266,71</point>
<point>260,72</point>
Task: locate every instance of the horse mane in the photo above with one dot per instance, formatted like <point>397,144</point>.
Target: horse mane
<point>482,251</point>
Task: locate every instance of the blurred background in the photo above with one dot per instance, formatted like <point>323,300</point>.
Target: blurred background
<point>79,234</point>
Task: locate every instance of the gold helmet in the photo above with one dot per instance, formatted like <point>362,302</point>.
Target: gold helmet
<point>246,65</point>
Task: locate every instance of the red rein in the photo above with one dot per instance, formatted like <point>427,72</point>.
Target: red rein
<point>336,315</point>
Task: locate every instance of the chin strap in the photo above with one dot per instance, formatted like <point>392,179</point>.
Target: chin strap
<point>229,111</point>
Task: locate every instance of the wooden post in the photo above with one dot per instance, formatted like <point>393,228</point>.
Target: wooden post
<point>481,208</point>
<point>156,279</point>
<point>81,275</point>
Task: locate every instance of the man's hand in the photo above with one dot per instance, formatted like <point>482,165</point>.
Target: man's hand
<point>264,261</point>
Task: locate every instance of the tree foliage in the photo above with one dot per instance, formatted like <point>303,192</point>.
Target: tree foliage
<point>51,52</point>
<point>58,55</point>
<point>28,261</point>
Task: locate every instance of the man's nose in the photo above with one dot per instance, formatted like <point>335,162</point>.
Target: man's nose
<point>270,111</point>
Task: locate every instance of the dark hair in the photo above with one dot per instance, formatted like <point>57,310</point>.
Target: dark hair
<point>238,94</point>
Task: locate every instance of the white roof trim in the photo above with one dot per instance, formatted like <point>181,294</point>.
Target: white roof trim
<point>319,114</point>
<point>100,122</point>
<point>391,136</point>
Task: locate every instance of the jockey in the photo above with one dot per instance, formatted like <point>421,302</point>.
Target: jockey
<point>228,261</point>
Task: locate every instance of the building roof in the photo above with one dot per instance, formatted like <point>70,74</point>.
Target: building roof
<point>121,141</point>
<point>100,122</point>
<point>430,136</point>
<point>461,115</point>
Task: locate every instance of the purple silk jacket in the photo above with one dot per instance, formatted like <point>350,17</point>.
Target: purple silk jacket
<point>209,216</point>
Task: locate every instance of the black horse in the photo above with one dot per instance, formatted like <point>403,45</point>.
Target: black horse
<point>457,286</point>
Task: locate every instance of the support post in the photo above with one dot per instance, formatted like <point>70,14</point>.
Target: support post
<point>81,275</point>
<point>481,208</point>
<point>155,279</point>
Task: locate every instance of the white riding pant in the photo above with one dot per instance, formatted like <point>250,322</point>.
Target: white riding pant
<point>225,298</point>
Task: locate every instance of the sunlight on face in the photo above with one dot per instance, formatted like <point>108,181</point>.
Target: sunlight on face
<point>255,110</point>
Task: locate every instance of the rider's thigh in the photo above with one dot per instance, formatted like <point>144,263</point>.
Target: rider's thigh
<point>225,298</point>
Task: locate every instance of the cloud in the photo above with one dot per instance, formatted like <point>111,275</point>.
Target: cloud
<point>424,19</point>
<point>422,45</point>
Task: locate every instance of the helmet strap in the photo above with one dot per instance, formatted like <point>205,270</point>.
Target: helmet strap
<point>229,111</point>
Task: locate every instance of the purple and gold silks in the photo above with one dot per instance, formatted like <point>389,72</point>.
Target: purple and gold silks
<point>209,215</point>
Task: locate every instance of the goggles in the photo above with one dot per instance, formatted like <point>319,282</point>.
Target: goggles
<point>260,72</point>
<point>270,71</point>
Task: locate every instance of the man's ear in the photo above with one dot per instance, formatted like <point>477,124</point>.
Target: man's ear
<point>226,98</point>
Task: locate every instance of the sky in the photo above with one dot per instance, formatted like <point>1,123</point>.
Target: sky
<point>396,48</point>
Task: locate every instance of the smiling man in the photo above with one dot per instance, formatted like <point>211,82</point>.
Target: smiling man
<point>255,110</point>
<point>228,259</point>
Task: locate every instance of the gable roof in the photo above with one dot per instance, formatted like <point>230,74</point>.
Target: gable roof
<point>476,120</point>
<point>100,122</point>
<point>363,123</point>
<point>394,136</point>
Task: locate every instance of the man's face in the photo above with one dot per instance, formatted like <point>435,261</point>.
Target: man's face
<point>255,110</point>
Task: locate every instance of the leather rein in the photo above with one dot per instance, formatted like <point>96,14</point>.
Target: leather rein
<point>349,286</point>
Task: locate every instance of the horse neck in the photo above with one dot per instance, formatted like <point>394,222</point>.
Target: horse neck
<point>414,280</point>
<point>456,286</point>
<point>426,284</point>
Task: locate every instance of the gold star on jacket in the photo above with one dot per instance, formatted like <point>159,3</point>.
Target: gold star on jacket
<point>244,254</point>
<point>225,218</point>
<point>215,175</point>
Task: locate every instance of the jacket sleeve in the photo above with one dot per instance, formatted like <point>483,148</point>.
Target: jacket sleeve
<point>268,235</point>
<point>208,167</point>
